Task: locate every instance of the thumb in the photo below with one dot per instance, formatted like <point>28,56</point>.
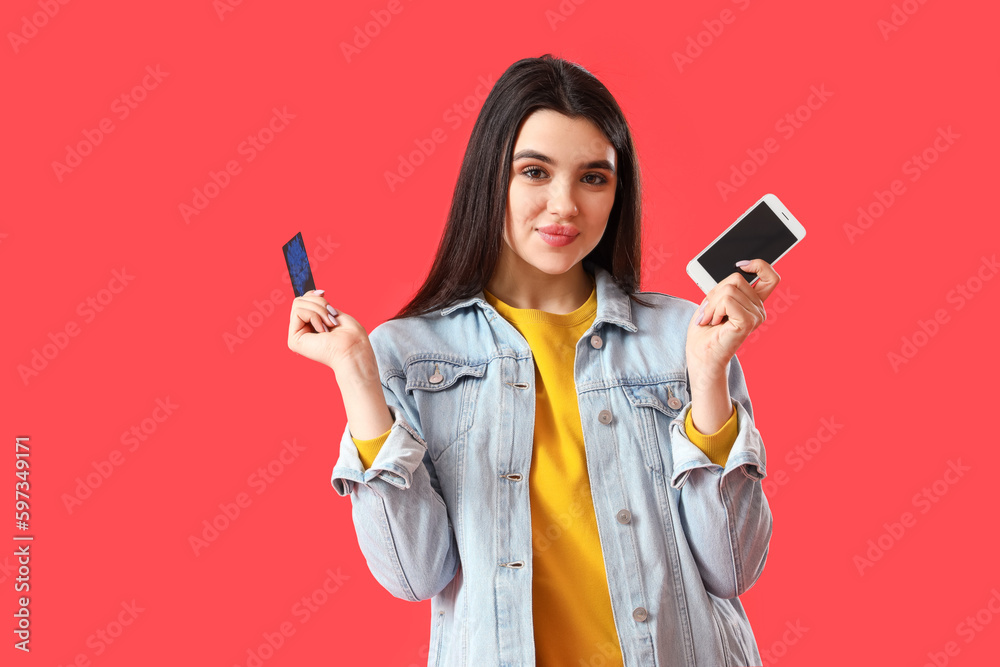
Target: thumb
<point>767,277</point>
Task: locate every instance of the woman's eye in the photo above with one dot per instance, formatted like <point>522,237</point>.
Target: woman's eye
<point>530,171</point>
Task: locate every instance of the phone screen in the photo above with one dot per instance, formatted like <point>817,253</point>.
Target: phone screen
<point>759,234</point>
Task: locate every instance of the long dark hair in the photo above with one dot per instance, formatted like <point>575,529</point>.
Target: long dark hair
<point>470,246</point>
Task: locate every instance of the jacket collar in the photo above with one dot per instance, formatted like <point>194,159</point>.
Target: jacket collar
<point>613,305</point>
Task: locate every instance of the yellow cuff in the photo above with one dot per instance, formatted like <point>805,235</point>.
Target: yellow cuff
<point>715,445</point>
<point>368,449</point>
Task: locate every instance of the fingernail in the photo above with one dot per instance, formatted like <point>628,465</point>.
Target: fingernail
<point>701,311</point>
<point>324,326</point>
<point>743,262</point>
<point>333,311</point>
<point>319,291</point>
<point>336,323</point>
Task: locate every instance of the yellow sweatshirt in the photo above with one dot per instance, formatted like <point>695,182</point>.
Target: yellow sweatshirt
<point>564,526</point>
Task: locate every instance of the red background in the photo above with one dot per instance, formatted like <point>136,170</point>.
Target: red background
<point>826,356</point>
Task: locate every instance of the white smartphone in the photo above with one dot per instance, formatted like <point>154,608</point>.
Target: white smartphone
<point>765,231</point>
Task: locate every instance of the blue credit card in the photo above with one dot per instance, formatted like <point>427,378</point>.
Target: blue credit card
<point>298,265</point>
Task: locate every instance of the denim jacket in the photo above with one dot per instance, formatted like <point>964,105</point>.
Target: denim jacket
<point>443,512</point>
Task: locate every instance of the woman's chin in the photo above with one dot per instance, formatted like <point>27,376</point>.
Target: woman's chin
<point>553,266</point>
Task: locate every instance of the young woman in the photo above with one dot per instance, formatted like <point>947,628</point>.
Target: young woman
<point>566,467</point>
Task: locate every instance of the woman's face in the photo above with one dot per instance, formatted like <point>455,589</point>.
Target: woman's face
<point>562,187</point>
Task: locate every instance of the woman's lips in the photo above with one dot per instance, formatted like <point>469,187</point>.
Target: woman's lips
<point>556,239</point>
<point>558,235</point>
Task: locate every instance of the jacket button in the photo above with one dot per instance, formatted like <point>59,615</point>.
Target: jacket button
<point>596,341</point>
<point>624,516</point>
<point>639,613</point>
<point>673,401</point>
<point>604,416</point>
<point>437,377</point>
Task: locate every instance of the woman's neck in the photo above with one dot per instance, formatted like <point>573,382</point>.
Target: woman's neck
<point>530,288</point>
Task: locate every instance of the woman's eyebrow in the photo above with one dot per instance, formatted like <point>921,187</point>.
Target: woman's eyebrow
<point>596,164</point>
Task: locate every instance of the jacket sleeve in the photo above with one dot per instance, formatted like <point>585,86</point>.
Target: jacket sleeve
<point>723,510</point>
<point>715,445</point>
<point>400,518</point>
<point>369,449</point>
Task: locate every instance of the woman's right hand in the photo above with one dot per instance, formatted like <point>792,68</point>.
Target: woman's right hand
<point>324,336</point>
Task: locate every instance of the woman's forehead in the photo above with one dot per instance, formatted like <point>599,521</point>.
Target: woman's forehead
<point>557,136</point>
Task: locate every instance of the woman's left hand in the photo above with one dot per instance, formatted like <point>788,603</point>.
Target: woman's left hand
<point>731,311</point>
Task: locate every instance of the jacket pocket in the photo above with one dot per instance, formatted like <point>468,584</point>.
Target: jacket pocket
<point>436,640</point>
<point>657,404</point>
<point>738,645</point>
<point>445,392</point>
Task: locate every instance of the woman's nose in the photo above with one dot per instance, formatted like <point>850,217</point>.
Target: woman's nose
<point>561,202</point>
